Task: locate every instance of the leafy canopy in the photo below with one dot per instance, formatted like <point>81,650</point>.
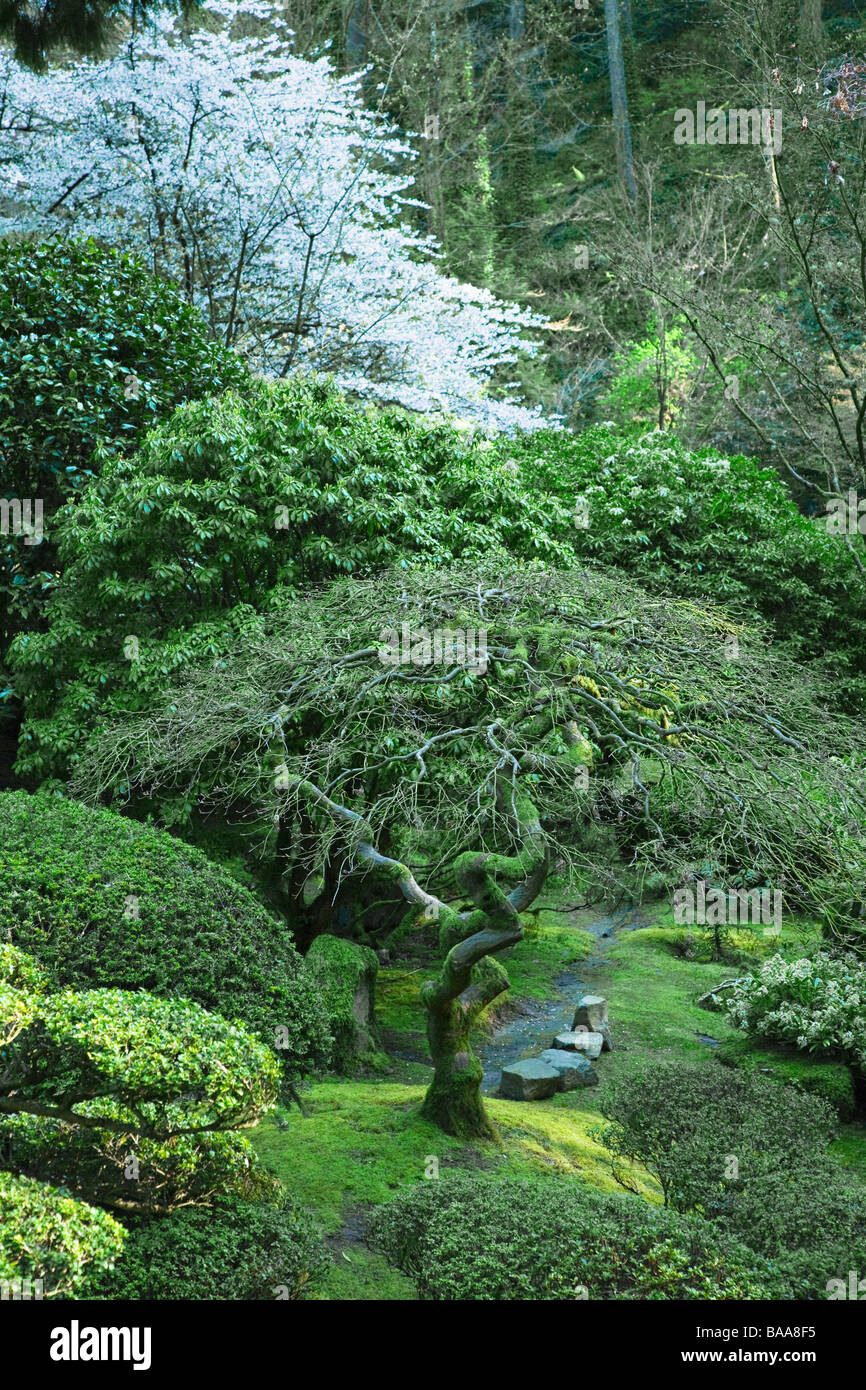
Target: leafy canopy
<point>618,714</point>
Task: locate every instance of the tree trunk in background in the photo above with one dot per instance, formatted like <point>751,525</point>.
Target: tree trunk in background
<point>809,33</point>
<point>469,978</point>
<point>516,20</point>
<point>356,34</point>
<point>619,99</point>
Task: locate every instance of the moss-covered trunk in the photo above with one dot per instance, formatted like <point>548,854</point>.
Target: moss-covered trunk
<point>453,1100</point>
<point>470,977</point>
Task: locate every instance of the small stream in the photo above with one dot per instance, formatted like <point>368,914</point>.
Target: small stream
<point>528,1032</point>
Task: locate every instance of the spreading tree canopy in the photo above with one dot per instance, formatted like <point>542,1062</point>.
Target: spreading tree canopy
<point>451,736</point>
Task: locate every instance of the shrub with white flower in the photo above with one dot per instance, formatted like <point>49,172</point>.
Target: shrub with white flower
<point>259,183</point>
<point>816,1003</point>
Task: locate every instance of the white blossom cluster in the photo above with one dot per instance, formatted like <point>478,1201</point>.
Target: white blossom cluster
<point>817,1003</point>
<point>259,183</point>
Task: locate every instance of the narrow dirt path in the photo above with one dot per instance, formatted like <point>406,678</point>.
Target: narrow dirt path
<point>527,1029</point>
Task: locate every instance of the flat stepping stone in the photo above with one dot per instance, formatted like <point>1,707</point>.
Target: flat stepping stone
<point>529,1080</point>
<point>590,1012</point>
<point>574,1068</point>
<point>590,1044</point>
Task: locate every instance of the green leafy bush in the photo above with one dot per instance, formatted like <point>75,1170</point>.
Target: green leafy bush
<point>810,1221</point>
<point>284,486</point>
<point>47,1235</point>
<point>234,1250</point>
<point>101,901</point>
<point>817,1003</point>
<point>822,1076</point>
<point>463,1237</point>
<point>704,1131</point>
<point>93,352</point>
<point>700,525</point>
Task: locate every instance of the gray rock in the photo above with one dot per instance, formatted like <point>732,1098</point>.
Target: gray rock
<point>590,1012</point>
<point>529,1080</point>
<point>606,1033</point>
<point>574,1069</point>
<point>590,1044</point>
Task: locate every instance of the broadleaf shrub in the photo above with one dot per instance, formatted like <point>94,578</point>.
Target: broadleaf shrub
<point>465,1237</point>
<point>102,901</point>
<point>685,1123</point>
<point>231,504</point>
<point>93,352</point>
<point>234,1250</point>
<point>705,526</point>
<point>810,1221</point>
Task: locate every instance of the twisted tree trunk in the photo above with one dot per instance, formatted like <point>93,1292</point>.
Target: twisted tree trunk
<point>469,979</point>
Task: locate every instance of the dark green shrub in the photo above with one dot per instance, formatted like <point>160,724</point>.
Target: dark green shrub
<point>704,1131</point>
<point>100,900</point>
<point>463,1237</point>
<point>93,352</point>
<point>76,321</point>
<point>234,1250</point>
<point>46,1234</point>
<point>810,1221</point>
<point>834,1080</point>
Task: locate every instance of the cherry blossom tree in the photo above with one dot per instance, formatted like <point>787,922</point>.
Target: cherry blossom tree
<point>259,183</point>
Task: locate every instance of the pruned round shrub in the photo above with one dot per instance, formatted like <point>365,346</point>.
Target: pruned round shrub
<point>465,1237</point>
<point>704,1131</point>
<point>234,1250</point>
<point>810,1221</point>
<point>102,901</point>
<point>46,1235</point>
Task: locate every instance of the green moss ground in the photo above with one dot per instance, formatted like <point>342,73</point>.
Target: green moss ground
<point>364,1140</point>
